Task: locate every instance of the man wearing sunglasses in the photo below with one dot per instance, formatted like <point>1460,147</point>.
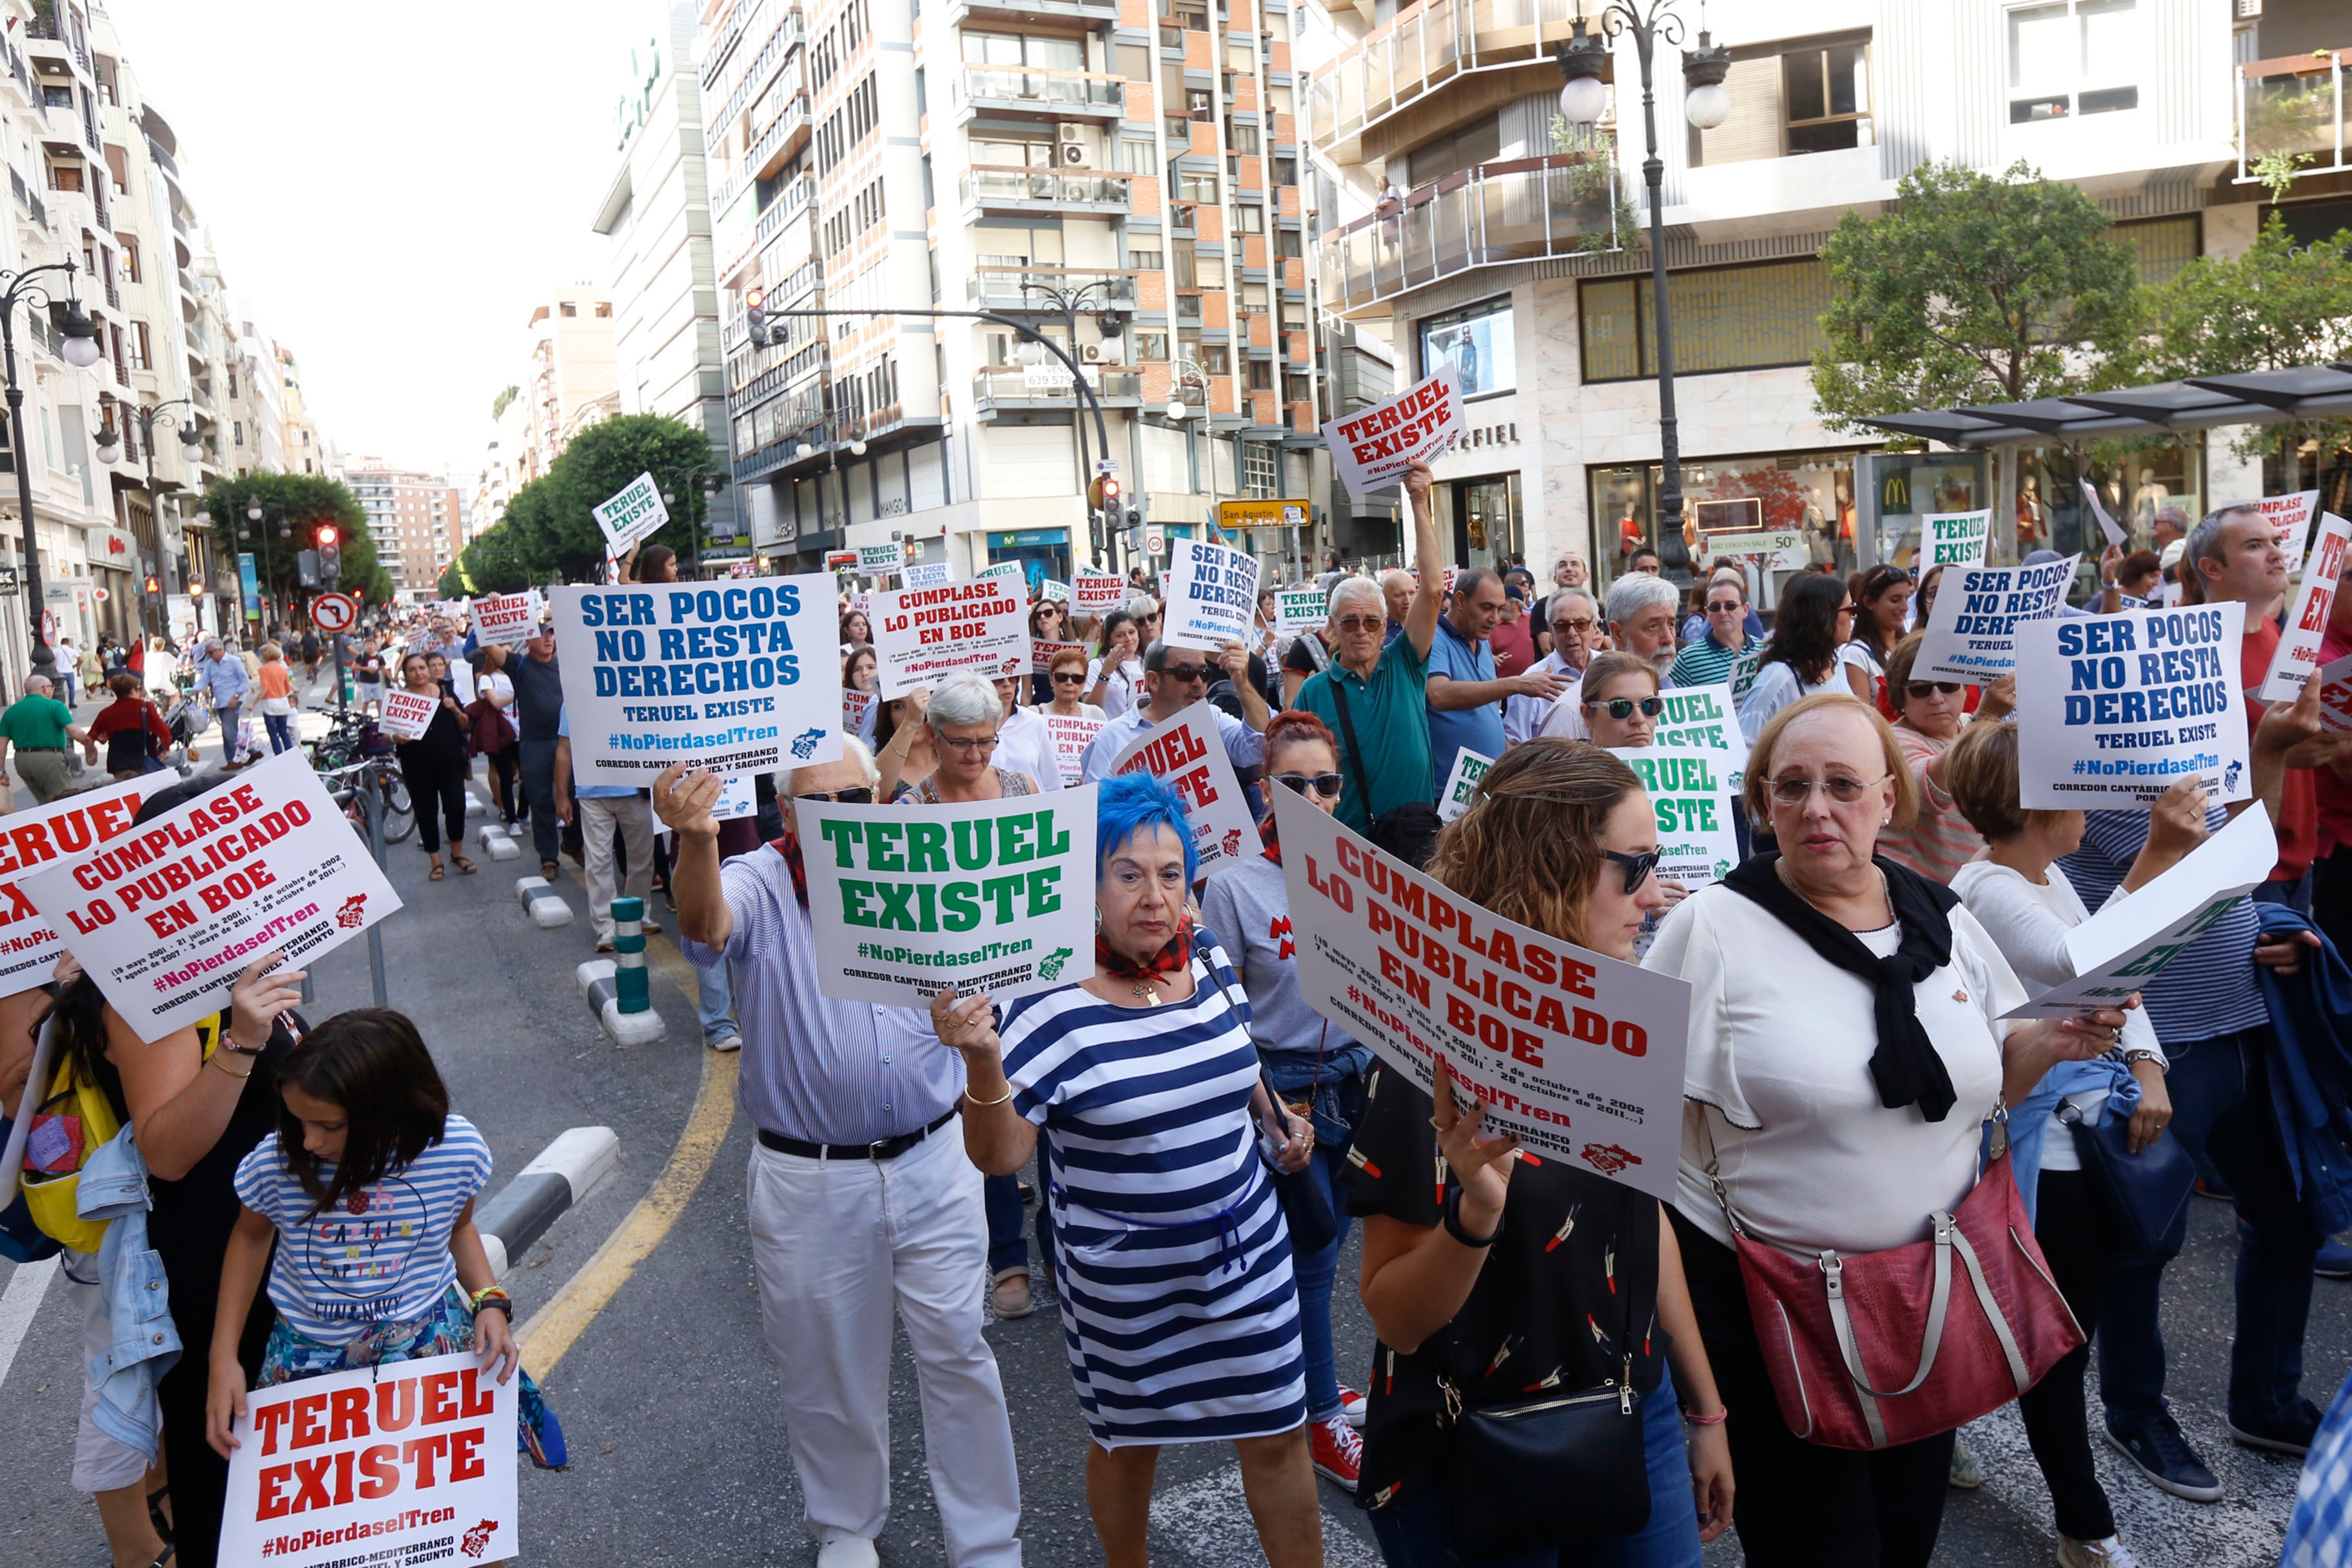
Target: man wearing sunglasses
<point>1466,692</point>
<point>1575,629</point>
<point>1173,679</point>
<point>1641,623</point>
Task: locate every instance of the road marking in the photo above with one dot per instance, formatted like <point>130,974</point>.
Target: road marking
<point>1209,1522</point>
<point>550,1332</point>
<point>27,1286</point>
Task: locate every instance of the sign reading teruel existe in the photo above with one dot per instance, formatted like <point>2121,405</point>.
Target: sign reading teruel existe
<point>631,513</point>
<point>69,826</point>
<point>1372,449</point>
<point>1579,1055</point>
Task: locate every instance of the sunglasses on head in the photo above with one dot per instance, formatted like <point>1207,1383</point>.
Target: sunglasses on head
<point>1637,867</point>
<point>858,794</point>
<point>1621,708</point>
<point>1928,688</point>
<point>1325,784</point>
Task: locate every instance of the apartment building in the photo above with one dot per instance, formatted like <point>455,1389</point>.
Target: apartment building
<point>416,520</point>
<point>1509,254</point>
<point>1125,181</point>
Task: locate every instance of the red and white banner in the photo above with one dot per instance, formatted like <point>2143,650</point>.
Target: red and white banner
<point>413,1462</point>
<point>68,828</point>
<point>1097,593</point>
<point>1580,1055</point>
<point>1072,734</point>
<point>1373,449</point>
<point>856,707</point>
<point>2292,515</point>
<point>506,618</point>
<point>1187,755</point>
<point>165,917</point>
<point>922,634</point>
<point>1041,654</point>
<point>407,715</point>
<point>2307,624</point>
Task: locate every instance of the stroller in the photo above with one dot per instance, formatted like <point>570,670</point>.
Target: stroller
<point>185,720</point>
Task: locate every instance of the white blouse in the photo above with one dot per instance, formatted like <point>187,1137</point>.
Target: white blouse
<point>1778,1087</point>
<point>1118,695</point>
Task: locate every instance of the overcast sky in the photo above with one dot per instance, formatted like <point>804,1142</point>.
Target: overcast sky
<point>390,189</point>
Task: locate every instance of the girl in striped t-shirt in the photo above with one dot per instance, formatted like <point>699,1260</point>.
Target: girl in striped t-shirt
<point>368,1189</point>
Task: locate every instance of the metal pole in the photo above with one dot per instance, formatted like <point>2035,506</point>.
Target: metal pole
<point>43,662</point>
<point>1670,549</point>
<point>372,808</point>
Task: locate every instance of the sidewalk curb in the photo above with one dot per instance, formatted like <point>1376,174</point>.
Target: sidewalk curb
<point>565,1172</point>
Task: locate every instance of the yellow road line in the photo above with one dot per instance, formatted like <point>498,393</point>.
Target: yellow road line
<point>550,1329</point>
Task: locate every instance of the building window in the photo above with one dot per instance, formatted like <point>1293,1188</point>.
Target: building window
<point>1145,260</point>
<point>1217,359</point>
<point>1259,472</point>
<point>1261,375</point>
<point>2073,57</point>
<point>130,259</point>
<point>1479,342</point>
<point>1286,243</point>
<point>1725,318</point>
<point>569,309</point>
<point>603,309</point>
<point>1828,96</point>
<point>1151,345</point>
<point>1196,185</point>
<point>1250,219</point>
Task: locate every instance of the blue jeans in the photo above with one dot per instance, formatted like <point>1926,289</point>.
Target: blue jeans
<point>281,731</point>
<point>1413,1531</point>
<point>539,789</point>
<point>2221,1110</point>
<point>1315,1272</point>
<point>714,1002</point>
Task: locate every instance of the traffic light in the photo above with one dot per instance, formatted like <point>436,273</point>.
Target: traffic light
<point>755,315</point>
<point>1103,495</point>
<point>154,586</point>
<point>330,555</point>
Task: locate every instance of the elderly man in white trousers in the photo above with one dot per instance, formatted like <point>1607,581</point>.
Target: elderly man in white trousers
<point>860,1198</point>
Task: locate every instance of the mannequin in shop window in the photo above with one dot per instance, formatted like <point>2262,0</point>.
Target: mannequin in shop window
<point>2029,518</point>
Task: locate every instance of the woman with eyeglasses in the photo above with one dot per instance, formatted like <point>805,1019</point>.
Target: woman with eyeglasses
<point>1621,700</point>
<point>1068,676</point>
<point>964,716</point>
<point>1117,672</point>
<point>1882,611</point>
<point>1500,1279</point>
<point>1802,659</point>
<point>1846,1047</point>
<point>1939,840</point>
<point>1177,1301</point>
<point>1317,1068</point>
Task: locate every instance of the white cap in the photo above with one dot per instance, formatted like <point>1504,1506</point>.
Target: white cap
<point>2172,553</point>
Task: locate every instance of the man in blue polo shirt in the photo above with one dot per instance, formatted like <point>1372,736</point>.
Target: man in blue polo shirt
<point>1465,696</point>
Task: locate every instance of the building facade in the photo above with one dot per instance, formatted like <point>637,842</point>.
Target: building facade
<point>415,519</point>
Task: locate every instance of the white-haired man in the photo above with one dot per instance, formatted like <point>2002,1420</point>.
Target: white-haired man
<point>220,674</point>
<point>1575,629</point>
<point>1640,621</point>
<point>1397,586</point>
<point>859,1196</point>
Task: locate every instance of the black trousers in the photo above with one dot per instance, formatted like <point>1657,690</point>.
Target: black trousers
<point>437,781</point>
<point>506,780</point>
<point>1802,1505</point>
<point>199,1478</point>
<point>2077,1240</point>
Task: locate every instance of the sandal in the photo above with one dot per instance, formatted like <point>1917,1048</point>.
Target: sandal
<point>464,865</point>
<point>434,874</point>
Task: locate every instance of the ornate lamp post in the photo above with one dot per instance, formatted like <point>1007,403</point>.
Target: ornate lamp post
<point>80,351</point>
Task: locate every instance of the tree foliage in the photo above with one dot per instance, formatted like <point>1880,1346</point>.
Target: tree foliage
<point>548,532</point>
<point>1973,288</point>
<point>297,503</point>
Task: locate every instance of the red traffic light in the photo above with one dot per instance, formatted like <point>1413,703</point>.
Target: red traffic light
<point>326,536</point>
<point>1104,493</point>
<point>154,583</point>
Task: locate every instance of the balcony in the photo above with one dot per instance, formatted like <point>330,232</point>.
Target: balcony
<point>761,71</point>
<point>1057,95</point>
<point>1048,385</point>
<point>784,135</point>
<point>1490,215</point>
<point>1016,11</point>
<point>999,288</point>
<point>1003,188</point>
<point>1396,64</point>
<point>2292,112</point>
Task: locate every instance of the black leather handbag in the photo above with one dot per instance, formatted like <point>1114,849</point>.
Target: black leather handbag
<point>1408,831</point>
<point>2147,1192</point>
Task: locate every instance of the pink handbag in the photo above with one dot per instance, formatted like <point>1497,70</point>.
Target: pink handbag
<point>1869,1350</point>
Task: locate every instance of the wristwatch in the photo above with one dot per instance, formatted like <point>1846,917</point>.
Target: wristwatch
<point>1453,1218</point>
<point>2142,1054</point>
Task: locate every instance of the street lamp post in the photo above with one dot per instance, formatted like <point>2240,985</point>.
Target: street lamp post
<point>1113,323</point>
<point>81,350</point>
<point>1583,59</point>
<point>109,452</point>
<point>710,481</point>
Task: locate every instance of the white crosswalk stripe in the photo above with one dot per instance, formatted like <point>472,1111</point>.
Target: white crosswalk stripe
<point>26,1285</point>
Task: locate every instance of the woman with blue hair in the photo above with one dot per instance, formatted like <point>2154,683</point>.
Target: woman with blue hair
<point>1174,1262</point>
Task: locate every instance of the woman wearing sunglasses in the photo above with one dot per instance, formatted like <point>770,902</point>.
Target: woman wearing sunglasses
<point>907,756</point>
<point>1047,621</point>
<point>1939,840</point>
<point>1316,1068</point>
<point>1529,1276</point>
<point>1621,700</point>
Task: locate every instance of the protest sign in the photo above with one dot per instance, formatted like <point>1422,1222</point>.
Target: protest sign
<point>739,678</point>
<point>2126,943</point>
<point>1954,537</point>
<point>1004,569</point>
<point>880,560</point>
<point>2291,515</point>
<point>1580,1055</point>
<point>992,895</point>
<point>2335,694</point>
<point>405,1463</point>
<point>924,573</point>
<point>69,826</point>
<point>922,634</point>
<point>2112,710</point>
<point>1972,635</point>
<point>1469,767</point>
<point>738,796</point>
<point>633,512</point>
<point>1297,610</point>
<point>1072,734</point>
<point>1187,753</point>
<point>2107,525</point>
<point>2306,623</point>
<point>407,715</point>
<point>1373,449</point>
<point>1703,717</point>
<point>506,618</point>
<point>1691,793</point>
<point>1212,596</point>
<point>1058,593</point>
<point>1097,593</point>
<point>1041,654</point>
<point>854,707</point>
<point>164,916</point>
<point>1742,674</point>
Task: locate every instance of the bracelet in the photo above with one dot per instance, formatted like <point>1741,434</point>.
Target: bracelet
<point>1000,1100</point>
<point>493,1296</point>
<point>217,1061</point>
<point>2142,1054</point>
<point>1717,1419</point>
<point>500,1302</point>
<point>1453,1218</point>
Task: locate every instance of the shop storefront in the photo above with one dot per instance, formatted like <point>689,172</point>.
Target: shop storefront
<point>1479,519</point>
<point>1042,553</point>
<point>1729,501</point>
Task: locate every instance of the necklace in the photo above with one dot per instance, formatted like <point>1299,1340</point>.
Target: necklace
<point>1144,990</point>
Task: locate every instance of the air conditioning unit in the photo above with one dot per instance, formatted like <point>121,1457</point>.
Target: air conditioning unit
<point>1067,130</point>
<point>1090,353</point>
<point>1071,155</point>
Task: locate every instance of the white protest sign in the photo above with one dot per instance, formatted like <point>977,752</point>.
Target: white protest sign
<point>880,560</point>
<point>631,514</point>
<point>2335,694</point>
<point>1743,672</point>
<point>2112,710</point>
<point>924,573</point>
<point>1373,449</point>
<point>992,895</point>
<point>409,1462</point>
<point>1004,569</point>
<point>855,706</point>
<point>1954,537</point>
<point>738,796</point>
<point>1212,596</point>
<point>1691,795</point>
<point>1979,610</point>
<point>922,634</point>
<point>164,916</point>
<point>1579,1055</point>
<point>1043,653</point>
<point>2307,622</point>
<point>1072,734</point>
<point>1462,784</point>
<point>1705,718</point>
<point>407,715</point>
<point>69,826</point>
<point>1187,753</point>
<point>736,677</point>
<point>1097,593</point>
<point>2107,525</point>
<point>2118,950</point>
<point>1057,593</point>
<point>2291,515</point>
<point>506,618</point>
<point>1297,610</point>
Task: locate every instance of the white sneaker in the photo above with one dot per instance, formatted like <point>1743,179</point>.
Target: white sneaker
<point>848,1552</point>
<point>729,1041</point>
<point>2109,1553</point>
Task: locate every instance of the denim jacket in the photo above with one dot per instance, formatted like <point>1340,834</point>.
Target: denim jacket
<point>143,1343</point>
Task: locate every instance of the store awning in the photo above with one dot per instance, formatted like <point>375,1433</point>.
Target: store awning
<point>2198,403</point>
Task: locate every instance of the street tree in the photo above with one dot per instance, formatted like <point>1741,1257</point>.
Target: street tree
<point>292,508</point>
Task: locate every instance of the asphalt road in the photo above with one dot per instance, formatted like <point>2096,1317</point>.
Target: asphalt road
<point>669,1395</point>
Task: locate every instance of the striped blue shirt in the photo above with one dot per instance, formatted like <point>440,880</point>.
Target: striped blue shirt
<point>381,1254</point>
<point>2207,991</point>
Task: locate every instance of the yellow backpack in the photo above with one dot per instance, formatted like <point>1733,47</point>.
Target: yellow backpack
<point>72,1125</point>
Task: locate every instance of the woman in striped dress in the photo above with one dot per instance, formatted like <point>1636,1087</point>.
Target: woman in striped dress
<point>1177,1305</point>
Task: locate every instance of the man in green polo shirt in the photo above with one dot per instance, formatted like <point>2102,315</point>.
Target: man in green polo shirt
<point>1386,686</point>
<point>39,727</point>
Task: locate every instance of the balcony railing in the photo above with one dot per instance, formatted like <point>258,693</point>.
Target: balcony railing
<point>1029,388</point>
<point>793,120</point>
<point>1035,10</point>
<point>2293,111</point>
<point>1421,51</point>
<point>1005,185</point>
<point>755,79</point>
<point>43,23</point>
<point>1488,215</point>
<point>1016,87</point>
<point>999,288</point>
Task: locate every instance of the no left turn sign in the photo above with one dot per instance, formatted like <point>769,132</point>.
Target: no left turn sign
<point>334,612</point>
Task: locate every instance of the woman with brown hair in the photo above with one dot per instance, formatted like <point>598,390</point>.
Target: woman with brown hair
<point>1882,608</point>
<point>1488,1282</point>
<point>1929,715</point>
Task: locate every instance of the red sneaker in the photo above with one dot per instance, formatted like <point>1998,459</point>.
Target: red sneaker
<point>1352,1407</point>
<point>1338,1451</point>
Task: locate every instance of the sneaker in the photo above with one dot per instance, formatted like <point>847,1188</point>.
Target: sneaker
<point>848,1552</point>
<point>604,944</point>
<point>1965,1473</point>
<point>1352,1407</point>
<point>1010,1294</point>
<point>729,1041</point>
<point>1338,1450</point>
<point>550,870</point>
<point>2215,1188</point>
<point>2290,1434</point>
<point>2109,1553</point>
<point>2334,1262</point>
<point>649,928</point>
<point>2165,1458</point>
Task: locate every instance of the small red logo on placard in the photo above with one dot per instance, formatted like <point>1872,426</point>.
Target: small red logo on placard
<point>1608,1159</point>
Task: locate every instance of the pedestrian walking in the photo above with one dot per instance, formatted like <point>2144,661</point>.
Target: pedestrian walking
<point>606,811</point>
<point>220,677</point>
<point>131,728</point>
<point>276,685</point>
<point>436,766</point>
<point>42,732</point>
<point>538,710</point>
<point>490,733</point>
<point>367,677</point>
<point>310,651</point>
<point>68,666</point>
